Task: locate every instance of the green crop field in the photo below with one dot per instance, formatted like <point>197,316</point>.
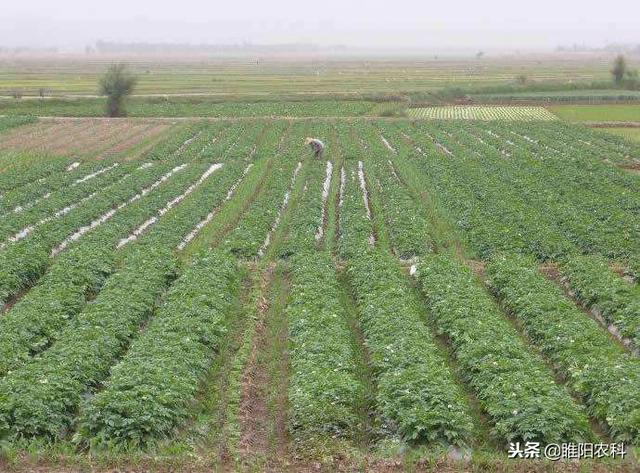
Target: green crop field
<point>196,106</point>
<point>206,295</point>
<point>597,113</point>
<point>559,96</point>
<point>190,289</point>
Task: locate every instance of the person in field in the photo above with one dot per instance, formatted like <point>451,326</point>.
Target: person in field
<point>317,146</point>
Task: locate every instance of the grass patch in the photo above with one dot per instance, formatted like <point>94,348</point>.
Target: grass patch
<point>597,113</point>
<point>560,96</point>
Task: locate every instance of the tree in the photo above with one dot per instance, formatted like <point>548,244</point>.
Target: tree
<point>619,69</point>
<point>116,84</point>
<point>522,79</point>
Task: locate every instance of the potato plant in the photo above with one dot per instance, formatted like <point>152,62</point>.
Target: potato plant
<point>150,391</point>
<point>601,372</point>
<point>42,397</point>
<point>416,394</point>
<point>512,383</point>
<point>605,292</point>
<point>323,388</point>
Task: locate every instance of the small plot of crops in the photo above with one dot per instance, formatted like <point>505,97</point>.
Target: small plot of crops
<point>476,112</point>
<point>597,113</point>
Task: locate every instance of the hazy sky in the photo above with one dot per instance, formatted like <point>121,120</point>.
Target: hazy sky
<point>539,24</point>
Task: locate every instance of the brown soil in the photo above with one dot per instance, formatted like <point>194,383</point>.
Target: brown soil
<point>621,270</point>
<point>64,138</point>
<point>552,272</point>
<point>632,167</point>
<point>28,135</point>
<point>264,400</point>
<point>612,124</point>
<point>13,301</point>
<point>254,412</point>
<point>281,417</point>
<point>478,267</point>
<point>133,140</point>
<point>82,136</point>
<point>100,139</point>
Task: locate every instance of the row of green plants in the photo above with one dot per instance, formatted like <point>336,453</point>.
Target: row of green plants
<point>37,318</point>
<point>531,406</point>
<point>246,149</point>
<point>25,196</point>
<point>20,174</point>
<point>151,390</point>
<point>23,262</point>
<point>406,222</point>
<point>257,159</point>
<point>79,272</point>
<point>538,200</point>
<point>602,96</point>
<point>506,196</point>
<point>603,373</point>
<point>416,397</point>
<point>355,228</point>
<point>524,182</point>
<point>176,142</point>
<point>535,184</point>
<point>461,141</point>
<point>604,194</point>
<point>406,161</point>
<point>61,202</point>
<point>189,107</point>
<point>62,292</point>
<point>307,216</point>
<point>127,299</point>
<point>511,382</point>
<point>546,411</point>
<point>41,398</point>
<point>248,238</point>
<point>584,156</point>
<point>596,220</point>
<point>488,214</point>
<point>323,386</point>
<point>603,291</point>
<point>171,228</point>
<point>602,146</point>
<point>169,232</point>
<point>6,123</point>
<point>532,87</point>
<point>453,138</point>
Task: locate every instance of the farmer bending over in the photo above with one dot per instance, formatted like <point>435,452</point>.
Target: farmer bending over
<point>316,145</point>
